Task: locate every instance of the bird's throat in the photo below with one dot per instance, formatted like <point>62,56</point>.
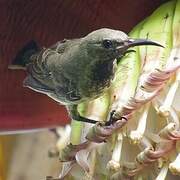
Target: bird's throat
<point>102,74</point>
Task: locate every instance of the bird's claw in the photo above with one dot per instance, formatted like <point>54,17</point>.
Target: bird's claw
<point>112,120</point>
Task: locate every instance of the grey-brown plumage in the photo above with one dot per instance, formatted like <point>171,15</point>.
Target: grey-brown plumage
<point>73,71</point>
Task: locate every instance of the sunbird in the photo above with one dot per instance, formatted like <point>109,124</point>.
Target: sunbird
<point>77,70</point>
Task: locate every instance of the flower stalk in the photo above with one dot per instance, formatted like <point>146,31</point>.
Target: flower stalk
<point>163,172</point>
<point>175,165</point>
<point>114,163</point>
<point>141,77</point>
<point>138,134</point>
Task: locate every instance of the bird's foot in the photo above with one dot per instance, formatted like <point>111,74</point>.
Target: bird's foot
<point>112,120</point>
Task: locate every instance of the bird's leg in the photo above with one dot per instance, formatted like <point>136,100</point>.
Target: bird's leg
<point>74,114</point>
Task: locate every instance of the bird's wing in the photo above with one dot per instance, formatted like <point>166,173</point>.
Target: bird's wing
<point>35,85</point>
<point>39,76</point>
<point>41,70</point>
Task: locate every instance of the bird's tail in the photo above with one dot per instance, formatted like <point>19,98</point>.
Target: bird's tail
<point>23,56</point>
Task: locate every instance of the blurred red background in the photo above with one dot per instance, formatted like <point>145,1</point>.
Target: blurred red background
<point>47,22</point>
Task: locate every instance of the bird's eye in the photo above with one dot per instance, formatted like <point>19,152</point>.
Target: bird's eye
<point>107,44</point>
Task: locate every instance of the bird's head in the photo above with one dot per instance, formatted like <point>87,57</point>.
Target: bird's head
<point>110,44</point>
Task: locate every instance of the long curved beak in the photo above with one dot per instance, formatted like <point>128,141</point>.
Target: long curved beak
<point>141,42</point>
